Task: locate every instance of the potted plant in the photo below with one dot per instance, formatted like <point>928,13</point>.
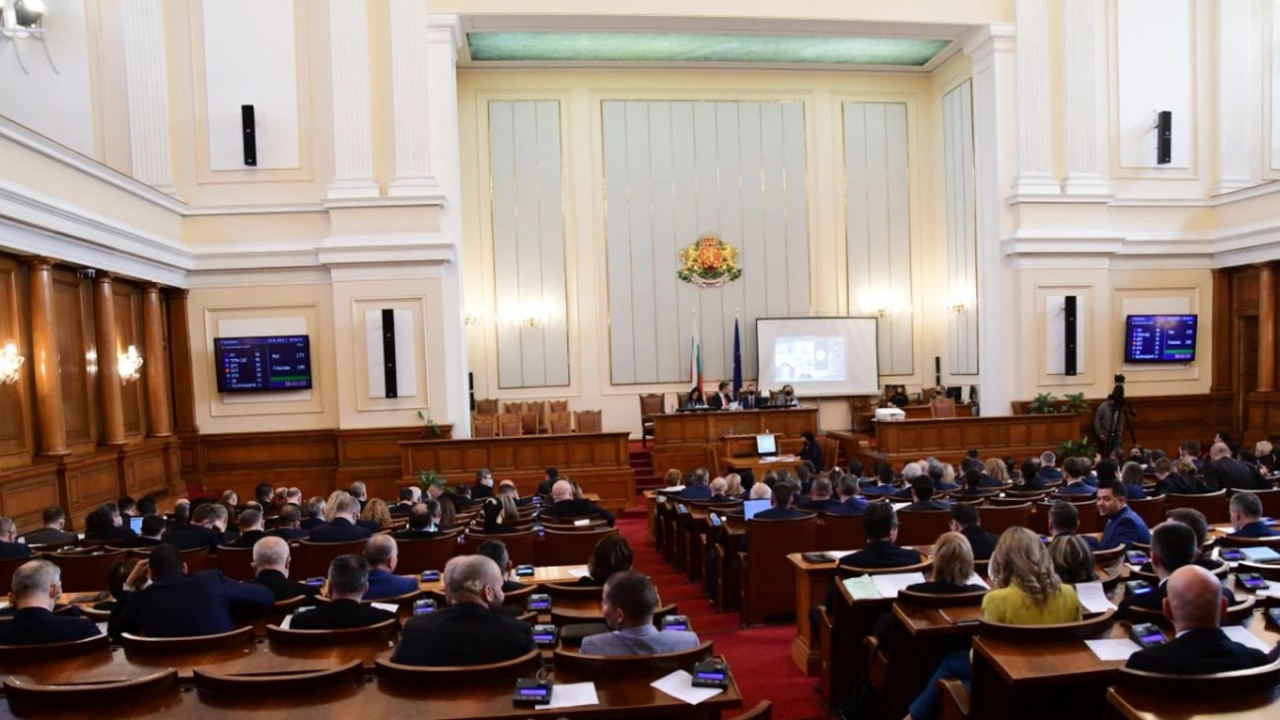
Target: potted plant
<point>430,478</point>
<point>1076,404</point>
<point>428,425</point>
<point>1082,448</point>
<point>1043,404</point>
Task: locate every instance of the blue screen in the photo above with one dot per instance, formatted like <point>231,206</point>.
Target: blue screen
<point>1160,338</point>
<point>262,363</point>
<point>751,507</point>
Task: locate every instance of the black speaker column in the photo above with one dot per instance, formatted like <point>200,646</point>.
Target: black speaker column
<point>471,389</point>
<point>389,351</point>
<point>937,369</point>
<point>250,139</point>
<point>1164,137</point>
<point>1069,333</point>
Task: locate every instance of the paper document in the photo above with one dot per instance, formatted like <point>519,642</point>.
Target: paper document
<point>899,505</point>
<point>286,622</point>
<point>389,607</point>
<point>573,695</point>
<point>579,572</point>
<point>1093,598</point>
<point>582,522</point>
<point>890,584</point>
<point>976,579</point>
<point>679,685</point>
<point>1260,554</point>
<point>1246,638</point>
<point>1113,648</point>
<point>837,554</point>
<point>862,588</point>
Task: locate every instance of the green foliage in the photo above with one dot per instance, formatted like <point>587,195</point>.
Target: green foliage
<point>1076,404</point>
<point>428,425</point>
<point>429,478</point>
<point>1082,448</point>
<point>1042,404</point>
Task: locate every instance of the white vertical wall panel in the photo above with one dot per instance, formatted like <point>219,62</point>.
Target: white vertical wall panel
<point>676,170</point>
<point>250,58</point>
<point>528,240</point>
<point>1155,51</point>
<point>962,237</point>
<point>877,225</point>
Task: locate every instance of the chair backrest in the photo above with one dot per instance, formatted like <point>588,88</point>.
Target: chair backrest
<point>520,545</point>
<point>25,695</point>
<point>236,563</point>
<point>259,620</point>
<point>181,645</point>
<point>288,682</point>
<point>385,630</point>
<point>1223,685</point>
<point>487,406</point>
<point>560,423</point>
<point>1087,628</point>
<point>1151,509</point>
<point>572,593</point>
<point>484,426</point>
<point>467,676</point>
<point>942,407</point>
<point>575,666</point>
<point>311,559</point>
<point>9,565</point>
<point>509,425</point>
<point>1213,505</point>
<point>922,527</point>
<point>429,554</point>
<point>87,571</point>
<point>841,532</point>
<point>54,547</point>
<point>558,406</point>
<point>848,571</point>
<point>998,518</point>
<point>1269,572</point>
<point>651,404</point>
<point>196,559</point>
<point>762,711</point>
<point>529,423</point>
<point>1112,556</point>
<point>909,597</point>
<point>588,421</point>
<point>57,651</point>
<point>1233,541</point>
<point>566,547</point>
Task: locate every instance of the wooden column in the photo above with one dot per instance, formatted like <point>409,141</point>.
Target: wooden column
<point>1222,350</point>
<point>184,400</point>
<point>109,391</point>
<point>1266,328</point>
<point>50,414</point>
<point>158,408</point>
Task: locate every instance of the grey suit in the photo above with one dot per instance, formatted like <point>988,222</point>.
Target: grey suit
<point>643,640</point>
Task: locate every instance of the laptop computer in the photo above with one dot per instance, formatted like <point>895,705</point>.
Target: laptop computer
<point>751,507</point>
<point>766,445</point>
<point>135,523</point>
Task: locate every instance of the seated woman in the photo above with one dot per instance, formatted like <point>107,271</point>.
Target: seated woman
<point>611,555</point>
<point>973,484</point>
<point>1072,559</point>
<point>495,517</point>
<point>1131,475</point>
<point>1027,592</point>
<point>997,474</point>
<point>733,487</point>
<point>952,569</point>
<point>695,399</point>
<point>376,511</point>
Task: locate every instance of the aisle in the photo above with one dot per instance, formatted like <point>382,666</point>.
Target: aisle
<point>760,657</point>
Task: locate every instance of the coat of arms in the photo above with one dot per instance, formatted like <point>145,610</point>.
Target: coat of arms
<point>709,262</point>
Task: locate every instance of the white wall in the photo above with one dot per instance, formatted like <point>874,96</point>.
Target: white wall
<point>58,104</point>
<point>1155,54</point>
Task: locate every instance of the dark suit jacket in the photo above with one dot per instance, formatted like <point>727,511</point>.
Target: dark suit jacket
<point>480,491</point>
<point>1126,527</point>
<point>190,537</point>
<point>1256,529</point>
<point>282,587</point>
<point>290,534</point>
<point>464,634</point>
<point>579,508</point>
<point>49,536</point>
<point>852,506</point>
<point>37,626</point>
<point>1228,472</point>
<point>382,584</point>
<point>1047,474</point>
<point>774,513</point>
<point>415,534</point>
<point>399,510</point>
<point>696,492</point>
<point>1154,600</point>
<point>311,523</point>
<point>138,542</point>
<point>340,530</point>
<point>982,542</point>
<point>930,505</point>
<point>1180,484</point>
<point>881,554</point>
<point>1079,488</point>
<point>372,526</point>
<point>1133,491</point>
<point>247,539</point>
<point>111,534</point>
<point>716,402</point>
<point>10,550</point>
<point>338,615</point>
<point>198,604</point>
<point>821,505</point>
<point>1197,652</point>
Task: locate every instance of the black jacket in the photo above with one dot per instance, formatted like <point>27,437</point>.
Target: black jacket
<point>1197,652</point>
<point>190,537</point>
<point>463,634</point>
<point>1230,473</point>
<point>38,626</point>
<point>577,508</point>
<point>282,587</point>
<point>187,605</point>
<point>338,615</point>
<point>247,539</point>
<point>881,554</point>
<point>982,542</point>
<point>340,530</point>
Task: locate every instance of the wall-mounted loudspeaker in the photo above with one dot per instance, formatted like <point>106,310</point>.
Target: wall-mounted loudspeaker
<point>937,370</point>
<point>471,390</point>
<point>250,138</point>
<point>1069,333</point>
<point>1164,137</point>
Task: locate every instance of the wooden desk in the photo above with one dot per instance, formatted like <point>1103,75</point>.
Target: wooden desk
<point>759,466</point>
<point>680,440</point>
<point>864,421</point>
<point>1134,705</point>
<point>949,438</point>
<point>600,462</point>
<point>812,581</point>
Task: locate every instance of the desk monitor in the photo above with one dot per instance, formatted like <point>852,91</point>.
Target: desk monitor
<point>751,507</point>
<point>766,445</point>
<point>135,523</point>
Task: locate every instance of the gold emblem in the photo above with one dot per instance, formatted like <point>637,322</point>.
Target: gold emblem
<point>709,262</point>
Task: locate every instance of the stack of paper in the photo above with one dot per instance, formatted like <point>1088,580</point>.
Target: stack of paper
<point>1113,648</point>
<point>1093,598</point>
<point>572,695</point>
<point>889,585</point>
<point>862,588</point>
<point>389,607</point>
<point>1244,637</point>
<point>1260,554</point>
<point>679,685</point>
<point>976,579</point>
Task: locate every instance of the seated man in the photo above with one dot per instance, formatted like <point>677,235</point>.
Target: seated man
<point>251,529</point>
<point>628,605</point>
<point>1246,517</point>
<point>496,550</point>
<point>1173,546</point>
<point>1225,472</point>
<point>938,474</point>
<point>922,496</point>
<point>467,632</point>
<point>1064,518</point>
<point>1047,472</point>
<point>564,504</point>
<point>548,480</point>
<point>148,536</point>
<point>289,525</point>
<point>780,507</point>
<point>382,554</point>
<point>424,522</point>
<point>718,488</point>
<point>483,486</point>
<point>1073,467</point>
<point>966,521</point>
<point>820,499</point>
<point>271,563</point>
<point>348,580</point>
<point>884,483</point>
<point>850,502</point>
<point>161,600</point>
<point>53,531</point>
<point>696,489</point>
<point>880,525</point>
<point>9,545</point>
<point>343,527</point>
<point>313,514</point>
<point>1169,480</point>
<point>36,587</point>
<point>1124,526</point>
<point>1195,605</point>
<point>107,525</point>
<point>409,496</point>
<point>202,531</point>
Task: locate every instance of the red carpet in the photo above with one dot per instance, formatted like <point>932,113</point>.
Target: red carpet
<point>760,657</point>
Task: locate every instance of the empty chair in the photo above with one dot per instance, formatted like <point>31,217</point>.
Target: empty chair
<point>1151,510</point>
<point>765,566</point>
<point>509,425</point>
<point>23,695</point>
<point>311,559</point>
<point>650,404</point>
<point>235,563</point>
<point>520,545</point>
<point>1212,505</point>
<point>484,426</point>
<point>502,674</point>
<point>942,407</point>
<point>529,423</point>
<point>487,406</point>
<point>84,571</point>
<point>588,421</point>
<point>922,527</point>
<point>997,519</point>
<point>560,423</point>
<point>574,666</point>
<point>430,554</point>
<point>840,532</point>
<point>561,547</point>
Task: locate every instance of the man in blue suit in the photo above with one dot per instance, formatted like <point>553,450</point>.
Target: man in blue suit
<point>9,545</point>
<point>1075,485</point>
<point>1124,526</point>
<point>698,487</point>
<point>343,527</point>
<point>781,506</point>
<point>628,604</point>
<point>851,503</point>
<point>161,600</point>
<point>36,587</point>
<point>1246,517</point>
<point>381,552</point>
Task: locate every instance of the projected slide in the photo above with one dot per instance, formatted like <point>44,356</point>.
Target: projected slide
<point>808,357</point>
<point>818,356</point>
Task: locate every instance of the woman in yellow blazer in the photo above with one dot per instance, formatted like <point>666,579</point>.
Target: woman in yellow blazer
<point>1026,591</point>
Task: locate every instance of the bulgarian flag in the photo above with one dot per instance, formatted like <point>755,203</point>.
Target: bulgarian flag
<point>695,357</point>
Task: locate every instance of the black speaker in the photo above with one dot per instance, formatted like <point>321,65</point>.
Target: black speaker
<point>937,370</point>
<point>471,390</point>
<point>250,138</point>
<point>1164,137</point>
<point>389,351</point>
<point>1069,333</point>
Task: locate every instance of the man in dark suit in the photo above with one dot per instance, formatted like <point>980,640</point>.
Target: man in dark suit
<point>409,496</point>
<point>820,499</point>
<point>1170,481</point>
<point>722,398</point>
<point>922,496</point>
<point>9,545</point>
<point>483,486</point>
<point>382,553</point>
<point>548,481</point>
<point>883,485</point>
<point>1195,605</point>
<point>55,521</point>
<point>850,502</point>
<point>176,604</point>
<point>287,525</point>
<point>348,581</point>
<point>251,529</point>
<point>313,514</point>
<point>271,563</point>
<point>424,522</point>
<point>343,527</point>
<point>202,531</point>
<point>107,525</point>
<point>360,492</point>
<point>966,521</point>
<point>149,535</point>
<point>36,587</point>
<point>1225,472</point>
<point>1124,526</point>
<point>1073,469</point>
<point>780,506</point>
<point>496,550</point>
<point>697,488</point>
<point>1064,518</point>
<point>468,632</point>
<point>1173,546</point>
<point>564,504</point>
<point>1246,517</point>
<point>880,525</point>
<point>1047,472</point>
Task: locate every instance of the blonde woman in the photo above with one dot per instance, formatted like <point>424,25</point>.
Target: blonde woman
<point>1072,559</point>
<point>377,511</point>
<point>1026,592</point>
<point>952,567</point>
<point>997,470</point>
<point>733,489</point>
<point>331,505</point>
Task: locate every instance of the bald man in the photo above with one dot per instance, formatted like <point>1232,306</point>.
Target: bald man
<point>271,568</point>
<point>1195,607</point>
<point>1225,472</point>
<point>467,632</point>
<point>564,505</point>
<point>382,553</point>
<point>36,587</point>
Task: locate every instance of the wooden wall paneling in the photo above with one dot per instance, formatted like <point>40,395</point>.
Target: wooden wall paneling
<point>144,468</point>
<point>256,451</point>
<point>89,481</point>
<point>1166,421</point>
<point>110,388</point>
<point>51,438</point>
<point>128,307</point>
<point>1244,291</point>
<point>180,362</point>
<point>1222,354</point>
<point>75,342</point>
<point>156,350</point>
<point>15,407</point>
<point>25,493</point>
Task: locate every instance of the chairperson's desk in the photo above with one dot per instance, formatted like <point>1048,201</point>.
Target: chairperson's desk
<point>680,440</point>
<point>949,438</point>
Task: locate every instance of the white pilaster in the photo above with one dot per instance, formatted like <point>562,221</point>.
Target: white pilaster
<point>995,75</point>
<point>1035,158</point>
<point>412,99</point>
<point>147,89</point>
<point>1085,71</point>
<point>352,106</point>
<point>1239,94</point>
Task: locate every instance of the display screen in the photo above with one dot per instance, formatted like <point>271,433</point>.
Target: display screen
<point>751,507</point>
<point>1160,338</point>
<point>1253,582</point>
<point>766,445</point>
<point>710,676</point>
<point>1153,638</point>
<point>675,626</point>
<point>252,364</point>
<point>533,692</point>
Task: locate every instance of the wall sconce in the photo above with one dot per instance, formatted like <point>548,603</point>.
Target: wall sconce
<point>130,364</point>
<point>471,319</point>
<point>957,307</point>
<point>10,361</point>
<point>23,19</point>
<point>536,320</point>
